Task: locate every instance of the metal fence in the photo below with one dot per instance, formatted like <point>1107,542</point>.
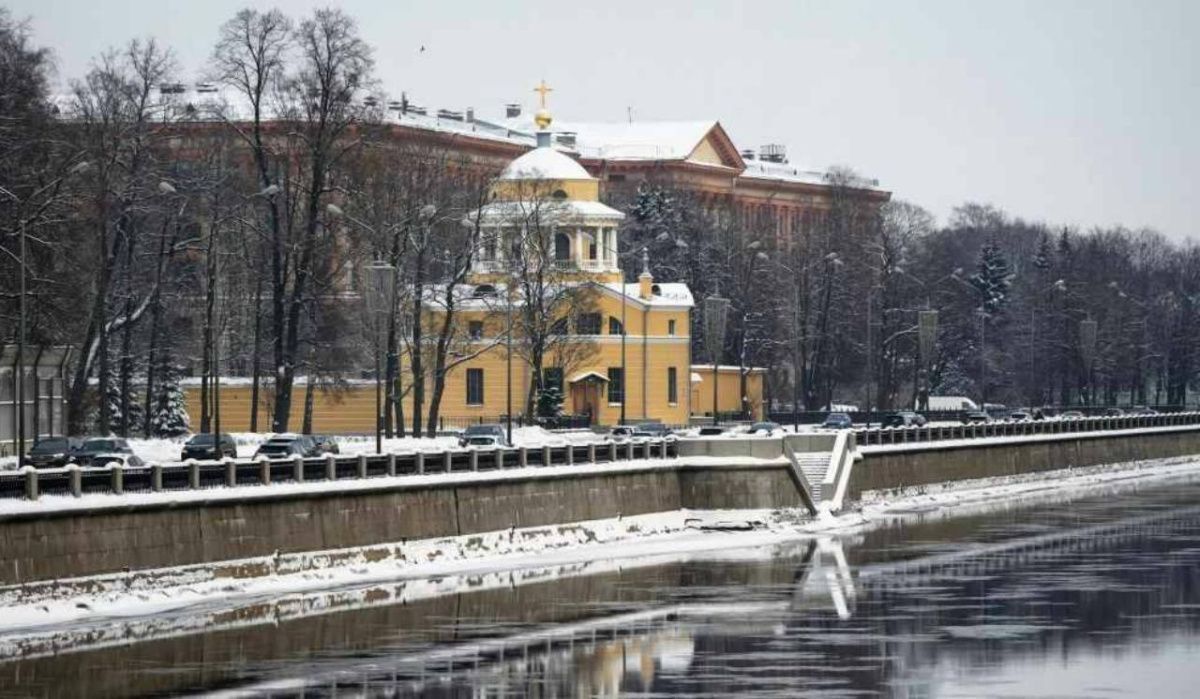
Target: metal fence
<point>1016,428</point>
<point>198,475</point>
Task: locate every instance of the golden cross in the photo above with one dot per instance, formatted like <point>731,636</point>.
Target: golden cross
<point>542,89</point>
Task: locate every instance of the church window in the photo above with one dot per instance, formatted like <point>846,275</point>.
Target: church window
<point>588,324</point>
<point>616,385</point>
<point>474,386</point>
<point>614,326</point>
<point>552,377</point>
<point>562,247</point>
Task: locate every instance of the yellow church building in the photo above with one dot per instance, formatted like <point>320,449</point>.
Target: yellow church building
<point>617,350</point>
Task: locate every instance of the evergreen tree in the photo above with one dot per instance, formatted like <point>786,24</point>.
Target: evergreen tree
<point>170,418</point>
<point>549,402</point>
<point>992,278</point>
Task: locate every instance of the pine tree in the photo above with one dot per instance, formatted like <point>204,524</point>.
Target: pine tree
<point>549,402</point>
<point>992,278</point>
<point>170,418</point>
<point>113,399</point>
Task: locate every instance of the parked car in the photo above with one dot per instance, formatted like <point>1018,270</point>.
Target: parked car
<point>620,433</point>
<point>97,446</point>
<point>763,428</point>
<point>975,416</point>
<point>52,452</point>
<point>711,431</point>
<point>492,430</point>
<point>653,430</point>
<point>483,441</point>
<point>203,447</point>
<point>118,459</point>
<point>837,421</point>
<point>1143,410</point>
<point>1117,412</point>
<point>903,418</point>
<point>1020,415</point>
<point>285,446</point>
<point>1070,415</point>
<point>324,444</point>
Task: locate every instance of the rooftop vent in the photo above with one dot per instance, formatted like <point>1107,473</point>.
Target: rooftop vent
<point>471,115</point>
<point>371,101</point>
<point>205,87</point>
<point>566,139</point>
<point>748,154</point>
<point>773,153</point>
<point>448,114</point>
<point>512,111</point>
<point>396,106</point>
<point>416,110</point>
<point>172,88</point>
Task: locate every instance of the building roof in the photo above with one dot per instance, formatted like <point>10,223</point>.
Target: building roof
<point>568,210</point>
<point>545,164</point>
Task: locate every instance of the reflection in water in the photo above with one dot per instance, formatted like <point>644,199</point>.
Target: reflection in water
<point>1098,597</point>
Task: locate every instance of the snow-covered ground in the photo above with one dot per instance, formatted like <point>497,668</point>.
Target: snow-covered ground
<point>569,548</point>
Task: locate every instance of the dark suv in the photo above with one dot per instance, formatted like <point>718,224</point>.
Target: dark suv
<point>496,431</point>
<point>98,446</point>
<point>285,446</point>
<point>52,452</point>
<point>837,421</point>
<point>904,418</point>
<point>203,447</point>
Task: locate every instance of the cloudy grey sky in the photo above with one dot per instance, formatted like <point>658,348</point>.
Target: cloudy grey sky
<point>1073,112</point>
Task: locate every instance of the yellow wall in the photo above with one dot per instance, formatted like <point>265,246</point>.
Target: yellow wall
<point>649,353</point>
<point>728,390</point>
<point>576,190</point>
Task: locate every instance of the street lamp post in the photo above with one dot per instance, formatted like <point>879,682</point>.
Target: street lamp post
<point>20,369</point>
<point>381,285</point>
<point>716,310</point>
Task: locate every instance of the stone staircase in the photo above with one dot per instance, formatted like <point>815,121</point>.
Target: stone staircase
<point>813,464</point>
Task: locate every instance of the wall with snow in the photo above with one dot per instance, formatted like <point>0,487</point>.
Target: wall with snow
<point>890,467</point>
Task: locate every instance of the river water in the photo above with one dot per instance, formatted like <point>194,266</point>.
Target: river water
<point>1095,597</point>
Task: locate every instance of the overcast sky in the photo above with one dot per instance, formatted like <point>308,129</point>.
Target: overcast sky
<point>1082,113</point>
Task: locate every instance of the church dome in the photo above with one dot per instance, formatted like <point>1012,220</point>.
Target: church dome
<point>545,163</point>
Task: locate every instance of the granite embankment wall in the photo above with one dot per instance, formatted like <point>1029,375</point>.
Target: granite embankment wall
<point>50,545</point>
<point>901,466</point>
<point>43,545</point>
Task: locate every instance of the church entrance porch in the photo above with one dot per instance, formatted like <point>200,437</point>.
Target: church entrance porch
<point>586,389</point>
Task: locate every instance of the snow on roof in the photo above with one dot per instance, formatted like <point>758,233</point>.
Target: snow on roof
<point>550,210</point>
<point>766,170</point>
<point>670,293</point>
<point>640,140</point>
<point>545,164</point>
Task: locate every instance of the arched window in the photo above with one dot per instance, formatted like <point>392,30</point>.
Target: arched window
<point>559,194</point>
<point>562,247</point>
<point>484,291</point>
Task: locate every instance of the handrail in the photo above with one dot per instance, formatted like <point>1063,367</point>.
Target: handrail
<point>1014,428</point>
<point>73,480</point>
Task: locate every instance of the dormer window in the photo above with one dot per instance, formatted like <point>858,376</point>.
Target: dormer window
<point>484,291</point>
<point>559,194</point>
<point>656,290</point>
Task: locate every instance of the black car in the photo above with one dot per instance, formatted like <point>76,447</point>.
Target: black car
<point>98,446</point>
<point>975,416</point>
<point>52,452</point>
<point>654,430</point>
<point>712,431</point>
<point>325,444</point>
<point>904,418</point>
<point>493,430</point>
<point>203,447</point>
<point>767,428</point>
<point>285,446</point>
<point>837,421</point>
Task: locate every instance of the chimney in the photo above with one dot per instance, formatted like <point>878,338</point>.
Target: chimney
<point>774,153</point>
<point>512,111</point>
<point>471,115</point>
<point>645,279</point>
